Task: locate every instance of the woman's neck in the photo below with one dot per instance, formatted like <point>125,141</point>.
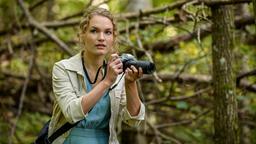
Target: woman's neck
<point>92,62</point>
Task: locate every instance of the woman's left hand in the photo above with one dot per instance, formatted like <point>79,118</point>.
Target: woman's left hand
<point>132,74</point>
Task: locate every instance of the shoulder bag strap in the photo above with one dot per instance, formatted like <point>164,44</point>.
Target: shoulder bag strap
<point>67,126</point>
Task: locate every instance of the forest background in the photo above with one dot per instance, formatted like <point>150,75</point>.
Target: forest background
<point>182,97</point>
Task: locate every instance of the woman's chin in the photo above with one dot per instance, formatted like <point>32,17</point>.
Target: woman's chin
<point>101,52</point>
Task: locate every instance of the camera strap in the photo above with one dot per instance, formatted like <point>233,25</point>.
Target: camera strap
<point>116,83</point>
<point>96,77</point>
<point>98,71</point>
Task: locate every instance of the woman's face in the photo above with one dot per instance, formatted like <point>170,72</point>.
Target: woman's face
<point>98,36</point>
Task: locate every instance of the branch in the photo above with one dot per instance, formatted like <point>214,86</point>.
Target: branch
<point>142,13</point>
<point>223,2</point>
<point>183,78</point>
<point>203,79</point>
<point>161,46</point>
<point>242,21</point>
<point>59,24</point>
<point>23,94</point>
<point>18,76</point>
<point>159,134</point>
<point>183,122</point>
<point>243,75</point>
<point>143,23</point>
<point>141,48</point>
<point>37,4</point>
<point>205,30</point>
<point>44,30</point>
<point>64,22</point>
<point>177,98</point>
<point>78,14</point>
<point>177,4</point>
<point>247,86</point>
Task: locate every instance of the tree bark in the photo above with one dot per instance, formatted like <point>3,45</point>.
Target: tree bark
<point>225,104</point>
<point>254,11</point>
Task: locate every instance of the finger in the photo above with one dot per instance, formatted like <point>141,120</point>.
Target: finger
<point>129,71</point>
<point>119,71</point>
<point>118,66</point>
<point>116,61</point>
<point>114,67</point>
<point>114,57</point>
<point>134,69</point>
<point>140,72</point>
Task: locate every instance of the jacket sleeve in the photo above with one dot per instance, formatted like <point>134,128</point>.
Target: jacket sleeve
<point>65,95</point>
<point>133,121</point>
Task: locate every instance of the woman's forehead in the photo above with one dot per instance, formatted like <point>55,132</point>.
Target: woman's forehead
<point>99,21</point>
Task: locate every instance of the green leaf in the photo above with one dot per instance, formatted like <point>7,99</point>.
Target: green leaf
<point>182,105</point>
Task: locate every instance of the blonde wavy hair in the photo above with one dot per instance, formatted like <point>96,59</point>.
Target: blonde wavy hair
<point>93,11</point>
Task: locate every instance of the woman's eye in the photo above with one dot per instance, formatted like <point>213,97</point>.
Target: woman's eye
<point>93,31</point>
<point>108,32</point>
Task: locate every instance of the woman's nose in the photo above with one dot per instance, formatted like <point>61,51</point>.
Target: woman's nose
<point>101,36</point>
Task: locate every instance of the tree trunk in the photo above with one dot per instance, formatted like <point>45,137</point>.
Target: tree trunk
<point>225,105</point>
<point>254,11</point>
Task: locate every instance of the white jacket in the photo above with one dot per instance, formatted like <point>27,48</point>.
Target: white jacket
<point>69,87</point>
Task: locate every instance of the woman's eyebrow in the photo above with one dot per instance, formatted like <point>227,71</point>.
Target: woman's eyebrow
<point>94,27</point>
<point>109,29</point>
<point>99,28</point>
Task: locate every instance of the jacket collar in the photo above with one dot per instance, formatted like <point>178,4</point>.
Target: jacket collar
<point>75,64</point>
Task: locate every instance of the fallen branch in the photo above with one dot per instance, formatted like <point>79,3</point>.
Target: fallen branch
<point>159,134</point>
<point>246,74</point>
<point>44,30</point>
<point>223,2</point>
<point>203,79</point>
<point>177,98</point>
<point>183,78</point>
<point>183,122</point>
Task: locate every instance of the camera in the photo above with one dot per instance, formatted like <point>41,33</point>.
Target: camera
<point>128,60</point>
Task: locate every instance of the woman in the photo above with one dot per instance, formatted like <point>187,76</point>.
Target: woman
<point>92,92</point>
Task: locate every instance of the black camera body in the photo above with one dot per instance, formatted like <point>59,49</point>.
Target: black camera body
<point>128,60</point>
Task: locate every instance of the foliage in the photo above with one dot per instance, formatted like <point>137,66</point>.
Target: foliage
<point>188,57</point>
<point>27,128</point>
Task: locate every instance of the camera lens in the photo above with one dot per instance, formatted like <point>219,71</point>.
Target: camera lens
<point>147,67</point>
<point>128,60</point>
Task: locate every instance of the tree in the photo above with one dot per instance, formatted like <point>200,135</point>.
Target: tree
<point>225,104</point>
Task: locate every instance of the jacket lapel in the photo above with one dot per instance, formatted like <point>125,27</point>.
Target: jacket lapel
<point>75,64</point>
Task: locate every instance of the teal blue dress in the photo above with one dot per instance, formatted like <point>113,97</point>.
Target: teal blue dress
<point>94,129</point>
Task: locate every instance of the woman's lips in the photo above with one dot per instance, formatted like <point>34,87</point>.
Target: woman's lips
<point>100,45</point>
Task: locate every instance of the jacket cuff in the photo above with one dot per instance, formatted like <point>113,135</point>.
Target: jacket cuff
<point>77,111</point>
<point>134,120</point>
<point>140,115</point>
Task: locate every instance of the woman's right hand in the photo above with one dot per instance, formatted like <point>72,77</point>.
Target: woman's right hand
<point>114,68</point>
